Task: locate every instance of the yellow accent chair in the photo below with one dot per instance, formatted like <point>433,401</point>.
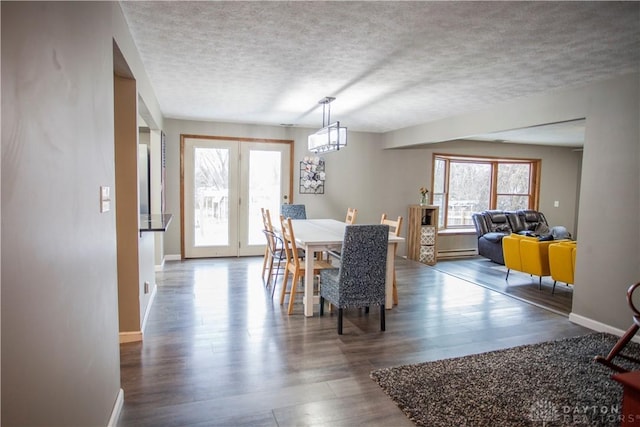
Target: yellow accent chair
<point>562,262</point>
<point>526,254</point>
<point>511,253</point>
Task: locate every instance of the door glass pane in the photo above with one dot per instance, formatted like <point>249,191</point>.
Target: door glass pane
<point>211,201</point>
<point>469,191</point>
<point>264,190</point>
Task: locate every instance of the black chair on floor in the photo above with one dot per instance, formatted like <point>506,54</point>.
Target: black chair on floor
<point>360,280</point>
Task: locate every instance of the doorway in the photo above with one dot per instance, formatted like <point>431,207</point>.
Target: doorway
<point>224,183</point>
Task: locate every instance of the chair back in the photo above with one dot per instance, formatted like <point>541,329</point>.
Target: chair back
<point>274,243</point>
<point>531,219</point>
<point>562,261</point>
<point>293,211</point>
<point>480,223</point>
<point>511,252</point>
<point>394,226</point>
<point>363,265</point>
<point>289,240</point>
<point>497,221</point>
<point>352,213</point>
<point>266,219</point>
<point>272,238</point>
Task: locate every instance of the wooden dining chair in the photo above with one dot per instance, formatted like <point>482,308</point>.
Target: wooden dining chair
<point>278,256</point>
<point>394,227</point>
<point>352,213</point>
<point>294,263</point>
<point>266,226</point>
<point>274,253</point>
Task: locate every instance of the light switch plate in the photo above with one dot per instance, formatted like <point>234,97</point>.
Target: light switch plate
<point>105,199</point>
<point>105,192</point>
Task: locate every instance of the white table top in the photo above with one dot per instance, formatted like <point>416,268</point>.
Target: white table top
<point>324,232</point>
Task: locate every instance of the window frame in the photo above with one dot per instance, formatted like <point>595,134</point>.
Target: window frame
<point>493,161</point>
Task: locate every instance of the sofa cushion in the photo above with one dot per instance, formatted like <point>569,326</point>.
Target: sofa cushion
<point>559,232</point>
<point>497,221</point>
<point>542,229</point>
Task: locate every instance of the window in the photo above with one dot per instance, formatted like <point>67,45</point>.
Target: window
<point>464,185</point>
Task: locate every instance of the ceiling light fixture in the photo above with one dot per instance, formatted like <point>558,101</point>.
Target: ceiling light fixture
<point>332,137</point>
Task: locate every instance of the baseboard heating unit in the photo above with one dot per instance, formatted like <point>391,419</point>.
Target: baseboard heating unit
<point>457,253</point>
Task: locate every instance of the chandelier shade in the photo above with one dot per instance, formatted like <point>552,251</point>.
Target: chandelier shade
<point>329,138</point>
<point>332,137</point>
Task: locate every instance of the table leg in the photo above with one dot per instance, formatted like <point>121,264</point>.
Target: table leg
<point>388,287</point>
<point>308,282</point>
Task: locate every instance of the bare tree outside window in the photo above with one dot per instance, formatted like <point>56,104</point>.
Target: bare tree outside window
<point>211,183</point>
<point>514,181</point>
<point>464,185</point>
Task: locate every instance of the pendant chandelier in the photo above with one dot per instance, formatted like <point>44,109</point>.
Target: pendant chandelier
<point>332,137</point>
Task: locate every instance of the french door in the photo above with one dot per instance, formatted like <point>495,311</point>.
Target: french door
<point>225,182</point>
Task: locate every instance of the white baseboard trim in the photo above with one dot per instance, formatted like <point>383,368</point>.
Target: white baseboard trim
<point>173,257</point>
<point>133,336</point>
<point>117,409</point>
<point>599,326</point>
<point>148,310</point>
<point>160,267</point>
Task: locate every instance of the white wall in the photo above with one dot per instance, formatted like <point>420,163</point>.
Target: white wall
<point>60,353</point>
<point>60,349</point>
<point>609,247</point>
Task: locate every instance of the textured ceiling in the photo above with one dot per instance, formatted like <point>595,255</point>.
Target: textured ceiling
<point>389,64</point>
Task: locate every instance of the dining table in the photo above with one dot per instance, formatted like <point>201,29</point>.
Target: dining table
<point>320,235</point>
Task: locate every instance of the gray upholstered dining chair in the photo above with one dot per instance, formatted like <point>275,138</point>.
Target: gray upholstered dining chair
<point>293,211</point>
<point>360,279</point>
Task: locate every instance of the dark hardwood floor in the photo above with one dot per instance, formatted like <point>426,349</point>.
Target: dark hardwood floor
<point>219,351</point>
<point>484,272</point>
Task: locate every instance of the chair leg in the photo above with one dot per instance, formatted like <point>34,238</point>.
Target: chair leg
<point>284,285</point>
<point>275,280</point>
<point>554,287</point>
<point>622,342</point>
<point>340,321</point>
<point>267,255</point>
<point>382,324</point>
<point>540,284</point>
<point>508,270</point>
<point>366,309</point>
<point>270,272</point>
<point>294,289</point>
<point>395,288</point>
<point>321,306</point>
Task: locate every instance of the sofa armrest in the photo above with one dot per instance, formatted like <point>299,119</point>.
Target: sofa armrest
<point>495,237</point>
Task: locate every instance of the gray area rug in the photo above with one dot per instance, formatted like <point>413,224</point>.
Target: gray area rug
<point>554,383</point>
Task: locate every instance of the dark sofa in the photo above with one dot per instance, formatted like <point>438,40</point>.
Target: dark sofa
<point>492,225</point>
